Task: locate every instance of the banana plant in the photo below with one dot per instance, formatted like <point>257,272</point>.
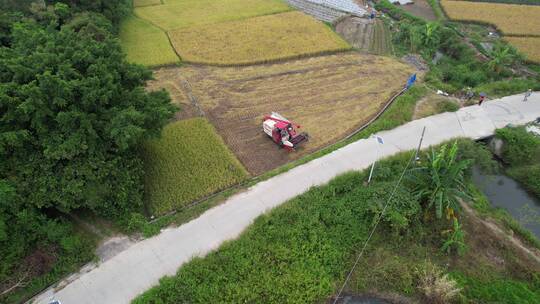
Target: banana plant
<point>440,183</point>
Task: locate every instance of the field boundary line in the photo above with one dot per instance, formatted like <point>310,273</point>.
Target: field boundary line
<point>271,61</point>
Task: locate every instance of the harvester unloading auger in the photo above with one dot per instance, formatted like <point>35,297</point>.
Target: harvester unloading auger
<point>283,131</point>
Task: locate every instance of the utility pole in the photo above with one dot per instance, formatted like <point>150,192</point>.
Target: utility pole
<point>379,141</point>
<point>416,157</point>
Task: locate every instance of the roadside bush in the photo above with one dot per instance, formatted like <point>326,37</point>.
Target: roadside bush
<point>520,147</point>
<point>507,87</point>
<point>496,290</point>
<point>479,155</point>
<point>529,176</point>
<point>436,286</point>
<point>447,106</point>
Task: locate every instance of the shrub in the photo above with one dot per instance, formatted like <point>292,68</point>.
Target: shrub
<point>520,147</point>
<point>447,106</point>
<point>435,286</point>
<point>529,176</point>
<point>496,290</point>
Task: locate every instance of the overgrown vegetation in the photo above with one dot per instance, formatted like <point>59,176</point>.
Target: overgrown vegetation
<point>519,23</point>
<point>302,249</point>
<point>187,163</point>
<point>460,66</point>
<point>73,112</point>
<point>521,151</point>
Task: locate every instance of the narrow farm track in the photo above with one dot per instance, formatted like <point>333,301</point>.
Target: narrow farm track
<point>131,272</point>
<point>329,96</point>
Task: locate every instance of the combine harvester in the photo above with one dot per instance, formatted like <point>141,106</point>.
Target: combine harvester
<point>283,131</point>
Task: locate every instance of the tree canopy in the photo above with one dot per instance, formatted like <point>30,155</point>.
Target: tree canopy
<point>72,115</point>
<point>72,112</point>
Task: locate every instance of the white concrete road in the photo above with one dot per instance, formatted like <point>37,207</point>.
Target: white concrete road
<point>131,272</point>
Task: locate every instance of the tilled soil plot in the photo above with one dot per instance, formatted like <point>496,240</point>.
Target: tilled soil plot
<point>329,96</point>
<point>368,35</point>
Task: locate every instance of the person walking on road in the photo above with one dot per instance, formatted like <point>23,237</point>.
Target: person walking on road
<point>482,98</point>
<point>527,94</point>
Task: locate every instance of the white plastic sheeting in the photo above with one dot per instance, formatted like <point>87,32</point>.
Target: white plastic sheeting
<point>347,6</point>
<point>402,2</point>
<point>328,10</point>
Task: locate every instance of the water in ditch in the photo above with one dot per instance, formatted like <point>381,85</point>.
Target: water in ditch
<point>504,192</point>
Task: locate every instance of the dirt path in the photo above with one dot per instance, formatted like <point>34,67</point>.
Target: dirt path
<point>527,253</point>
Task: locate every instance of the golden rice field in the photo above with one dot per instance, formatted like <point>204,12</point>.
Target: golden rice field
<point>145,44</point>
<point>530,46</point>
<point>139,3</point>
<point>188,162</point>
<point>176,14</point>
<point>510,19</point>
<point>256,40</point>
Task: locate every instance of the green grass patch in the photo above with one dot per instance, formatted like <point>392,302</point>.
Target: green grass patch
<point>145,44</point>
<point>176,14</point>
<point>188,162</point>
<point>498,290</point>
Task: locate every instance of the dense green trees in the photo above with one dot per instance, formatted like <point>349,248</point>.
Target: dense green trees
<point>72,114</point>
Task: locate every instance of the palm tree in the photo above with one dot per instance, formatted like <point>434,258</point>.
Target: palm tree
<point>441,182</point>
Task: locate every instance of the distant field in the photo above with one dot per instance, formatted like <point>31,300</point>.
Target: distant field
<point>145,44</point>
<point>255,40</point>
<point>508,18</point>
<point>139,3</point>
<point>176,14</point>
<point>529,46</point>
<point>188,162</point>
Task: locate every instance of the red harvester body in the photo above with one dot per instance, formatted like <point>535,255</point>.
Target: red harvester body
<point>283,131</point>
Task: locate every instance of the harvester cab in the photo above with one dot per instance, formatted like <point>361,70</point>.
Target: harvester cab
<point>283,131</point>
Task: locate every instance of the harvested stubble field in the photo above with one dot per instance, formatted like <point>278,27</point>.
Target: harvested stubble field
<point>145,44</point>
<point>188,162</point>
<point>529,46</point>
<point>329,96</point>
<point>176,14</point>
<point>256,40</point>
<point>521,20</point>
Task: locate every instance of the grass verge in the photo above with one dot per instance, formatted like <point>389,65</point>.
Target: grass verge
<point>256,40</point>
<point>145,44</point>
<point>188,162</point>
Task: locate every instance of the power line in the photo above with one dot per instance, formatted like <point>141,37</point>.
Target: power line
<point>413,157</point>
